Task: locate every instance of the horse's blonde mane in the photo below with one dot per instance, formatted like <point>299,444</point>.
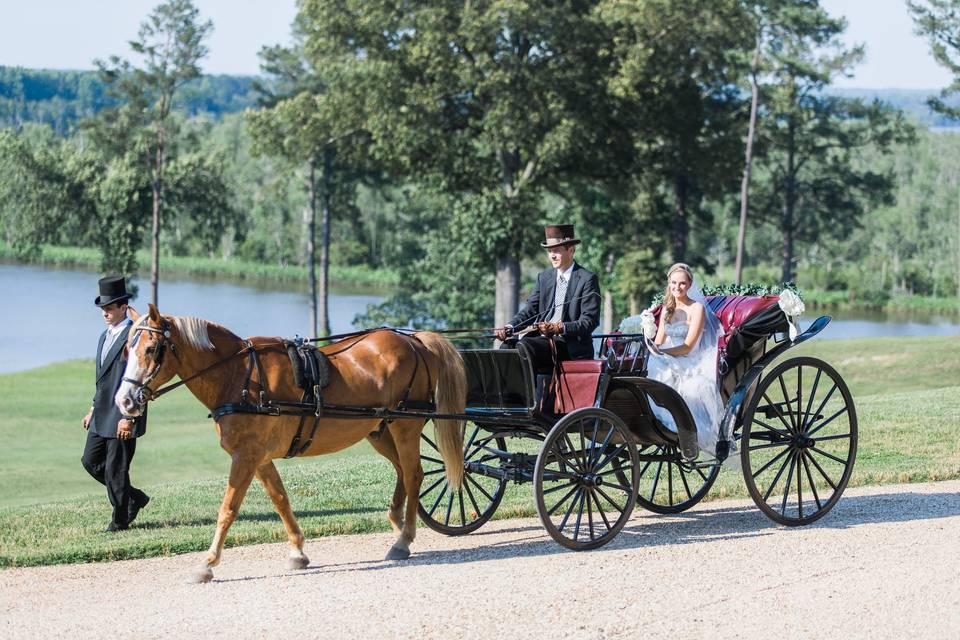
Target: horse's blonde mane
<point>195,331</point>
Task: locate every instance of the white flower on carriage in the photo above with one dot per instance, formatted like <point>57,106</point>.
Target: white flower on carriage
<point>648,323</point>
<point>791,303</point>
<point>631,324</point>
<point>793,307</point>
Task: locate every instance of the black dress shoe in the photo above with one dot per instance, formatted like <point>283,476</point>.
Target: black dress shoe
<point>135,507</point>
<point>113,526</point>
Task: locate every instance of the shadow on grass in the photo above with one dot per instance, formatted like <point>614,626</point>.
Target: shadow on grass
<point>722,523</point>
<point>263,516</point>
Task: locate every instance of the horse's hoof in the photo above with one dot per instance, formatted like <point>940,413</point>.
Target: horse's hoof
<point>295,563</point>
<point>201,576</point>
<point>398,553</point>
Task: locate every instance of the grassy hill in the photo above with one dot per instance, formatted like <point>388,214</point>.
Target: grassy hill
<point>907,392</point>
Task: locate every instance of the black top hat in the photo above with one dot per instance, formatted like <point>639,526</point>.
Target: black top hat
<point>558,235</point>
<point>112,289</point>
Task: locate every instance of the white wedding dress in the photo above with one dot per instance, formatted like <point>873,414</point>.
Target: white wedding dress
<point>694,377</point>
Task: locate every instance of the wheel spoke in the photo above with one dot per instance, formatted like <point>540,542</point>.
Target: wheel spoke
<point>779,432</point>
<point>563,499</point>
<point>463,511</point>
<point>479,486</point>
<point>827,421</point>
<point>439,498</point>
<point>820,469</point>
<point>603,515</point>
<point>777,410</point>
<point>771,462</point>
<point>559,487</point>
<point>473,500</point>
<point>823,403</point>
<point>433,473</point>
<point>799,491</point>
<point>593,439</point>
<point>813,393</point>
<point>431,487</point>
<point>683,476</point>
<point>776,479</point>
<point>573,505</point>
<point>430,442</point>
<point>429,459</point>
<point>616,452</point>
<point>446,519</point>
<point>779,443</point>
<point>829,455</point>
<point>670,483</point>
<point>656,480</point>
<point>786,492</point>
<point>787,401</point>
<point>578,467</point>
<point>842,436</point>
<point>813,487</point>
<point>610,500</point>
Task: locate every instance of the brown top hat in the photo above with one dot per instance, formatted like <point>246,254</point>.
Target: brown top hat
<point>558,235</point>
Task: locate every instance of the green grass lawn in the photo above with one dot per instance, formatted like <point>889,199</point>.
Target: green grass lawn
<point>907,393</point>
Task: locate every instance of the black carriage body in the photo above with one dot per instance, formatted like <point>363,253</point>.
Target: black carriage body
<point>606,404</point>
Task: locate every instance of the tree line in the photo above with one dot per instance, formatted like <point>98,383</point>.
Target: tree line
<point>438,138</point>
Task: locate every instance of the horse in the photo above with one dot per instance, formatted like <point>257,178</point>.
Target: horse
<point>378,368</point>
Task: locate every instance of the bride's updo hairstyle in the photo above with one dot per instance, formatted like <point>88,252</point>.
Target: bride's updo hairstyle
<point>669,302</point>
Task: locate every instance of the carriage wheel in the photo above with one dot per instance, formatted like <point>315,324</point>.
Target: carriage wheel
<point>673,485</point>
<point>459,512</point>
<point>585,479</point>
<point>799,441</point>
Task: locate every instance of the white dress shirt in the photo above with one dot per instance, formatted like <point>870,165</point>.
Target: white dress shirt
<point>112,332</point>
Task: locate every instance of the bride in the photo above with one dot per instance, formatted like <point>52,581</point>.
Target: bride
<point>684,356</point>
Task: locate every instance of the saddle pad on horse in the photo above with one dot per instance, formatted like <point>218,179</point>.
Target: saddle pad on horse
<point>311,368</point>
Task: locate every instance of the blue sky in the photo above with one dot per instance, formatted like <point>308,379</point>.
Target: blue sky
<point>69,34</point>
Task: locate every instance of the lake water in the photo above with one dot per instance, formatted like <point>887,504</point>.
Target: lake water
<point>49,314</point>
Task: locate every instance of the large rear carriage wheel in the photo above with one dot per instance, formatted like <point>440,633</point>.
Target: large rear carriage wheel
<point>585,479</point>
<point>461,511</point>
<point>799,441</point>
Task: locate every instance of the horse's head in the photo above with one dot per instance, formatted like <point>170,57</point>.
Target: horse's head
<point>149,365</point>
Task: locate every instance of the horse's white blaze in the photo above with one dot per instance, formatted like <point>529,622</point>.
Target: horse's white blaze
<point>133,371</point>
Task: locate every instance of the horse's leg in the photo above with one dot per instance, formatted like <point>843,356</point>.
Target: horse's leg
<point>406,436</point>
<point>384,445</point>
<point>267,474</point>
<point>241,473</point>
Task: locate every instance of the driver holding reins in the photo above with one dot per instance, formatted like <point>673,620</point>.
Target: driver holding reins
<point>564,306</point>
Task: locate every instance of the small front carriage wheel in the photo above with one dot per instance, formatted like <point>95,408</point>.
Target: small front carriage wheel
<point>585,479</point>
<point>456,513</point>
<point>799,441</point>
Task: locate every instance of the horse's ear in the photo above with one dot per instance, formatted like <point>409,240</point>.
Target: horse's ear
<point>133,314</point>
<point>154,314</point>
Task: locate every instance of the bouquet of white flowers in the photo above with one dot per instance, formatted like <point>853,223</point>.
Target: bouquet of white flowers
<point>793,307</point>
<point>648,323</point>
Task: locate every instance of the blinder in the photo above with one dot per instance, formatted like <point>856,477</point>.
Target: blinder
<point>144,392</point>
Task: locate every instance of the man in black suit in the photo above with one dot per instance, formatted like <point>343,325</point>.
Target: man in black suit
<point>564,306</point>
<point>111,436</point>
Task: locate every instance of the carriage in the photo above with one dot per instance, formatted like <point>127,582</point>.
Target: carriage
<point>592,447</point>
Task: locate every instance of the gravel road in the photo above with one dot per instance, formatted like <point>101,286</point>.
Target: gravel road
<point>884,564</point>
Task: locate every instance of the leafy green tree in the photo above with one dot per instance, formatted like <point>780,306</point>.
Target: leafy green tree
<point>171,44</point>
<point>810,186</point>
<point>492,103</point>
<point>939,22</point>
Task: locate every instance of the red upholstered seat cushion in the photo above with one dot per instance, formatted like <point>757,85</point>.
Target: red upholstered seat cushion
<point>577,384</point>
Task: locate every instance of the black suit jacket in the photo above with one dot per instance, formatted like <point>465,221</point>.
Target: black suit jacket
<point>581,308</point>
<point>106,414</point>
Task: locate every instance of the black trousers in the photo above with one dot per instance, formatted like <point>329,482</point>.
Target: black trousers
<point>539,350</point>
<point>108,461</point>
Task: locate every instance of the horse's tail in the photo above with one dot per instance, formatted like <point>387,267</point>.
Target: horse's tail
<point>451,397</point>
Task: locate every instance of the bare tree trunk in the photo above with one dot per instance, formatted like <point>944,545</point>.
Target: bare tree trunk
<point>678,241</point>
<point>157,193</point>
<point>508,290</point>
<point>607,312</point>
<point>325,240</point>
<point>789,204</point>
<point>311,243</point>
<point>748,160</point>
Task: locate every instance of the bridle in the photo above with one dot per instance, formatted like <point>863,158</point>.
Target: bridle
<point>144,392</point>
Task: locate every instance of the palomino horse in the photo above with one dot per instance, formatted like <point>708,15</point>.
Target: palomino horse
<point>374,369</point>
